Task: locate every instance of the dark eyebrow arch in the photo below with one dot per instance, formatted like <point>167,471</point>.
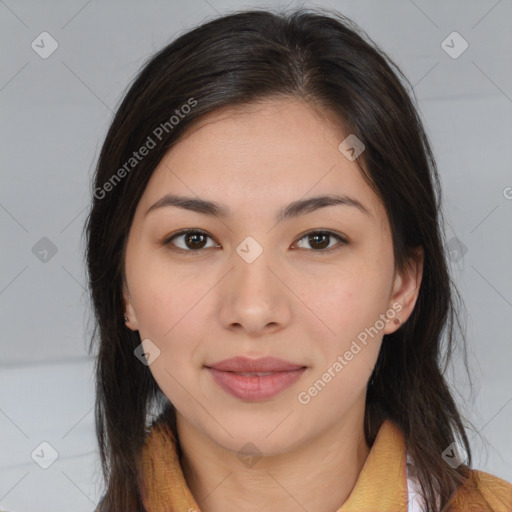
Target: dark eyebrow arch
<point>294,209</point>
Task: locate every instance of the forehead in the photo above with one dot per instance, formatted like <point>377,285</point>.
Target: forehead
<point>270,152</point>
<point>286,116</point>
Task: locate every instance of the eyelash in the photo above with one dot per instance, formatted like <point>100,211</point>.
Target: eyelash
<point>168,241</point>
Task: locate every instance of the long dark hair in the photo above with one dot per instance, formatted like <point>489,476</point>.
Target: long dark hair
<point>323,58</point>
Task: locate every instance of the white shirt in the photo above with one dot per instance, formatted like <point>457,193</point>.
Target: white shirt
<point>414,500</point>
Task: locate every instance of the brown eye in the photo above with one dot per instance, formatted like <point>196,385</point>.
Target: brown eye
<point>191,240</point>
<point>319,240</point>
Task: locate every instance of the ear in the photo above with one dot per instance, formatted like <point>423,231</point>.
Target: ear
<point>129,311</point>
<point>406,288</point>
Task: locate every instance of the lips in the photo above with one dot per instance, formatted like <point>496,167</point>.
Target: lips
<point>263,365</point>
<point>255,379</point>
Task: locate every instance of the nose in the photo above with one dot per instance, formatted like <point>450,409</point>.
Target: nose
<point>254,298</point>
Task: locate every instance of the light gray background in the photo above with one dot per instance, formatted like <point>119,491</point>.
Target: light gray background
<point>55,114</point>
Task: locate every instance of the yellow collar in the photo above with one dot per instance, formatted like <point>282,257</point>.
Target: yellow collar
<point>386,466</point>
<point>164,486</point>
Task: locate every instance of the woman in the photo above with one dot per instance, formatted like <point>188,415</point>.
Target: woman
<point>268,274</point>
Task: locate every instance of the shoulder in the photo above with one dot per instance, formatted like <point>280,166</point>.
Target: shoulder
<point>483,492</point>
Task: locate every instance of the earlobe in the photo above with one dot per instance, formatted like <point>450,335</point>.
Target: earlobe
<point>130,319</point>
<point>406,289</point>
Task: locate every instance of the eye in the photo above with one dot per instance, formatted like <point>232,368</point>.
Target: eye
<point>195,240</point>
<point>319,240</point>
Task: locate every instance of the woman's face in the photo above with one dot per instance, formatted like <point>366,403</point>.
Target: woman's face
<point>262,279</point>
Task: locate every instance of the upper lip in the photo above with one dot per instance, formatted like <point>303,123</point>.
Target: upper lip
<point>246,365</point>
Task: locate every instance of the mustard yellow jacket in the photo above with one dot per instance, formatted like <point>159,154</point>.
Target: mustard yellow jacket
<point>383,485</point>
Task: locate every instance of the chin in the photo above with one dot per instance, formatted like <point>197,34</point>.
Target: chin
<point>251,437</point>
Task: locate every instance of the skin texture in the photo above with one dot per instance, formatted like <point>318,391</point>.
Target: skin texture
<point>296,301</point>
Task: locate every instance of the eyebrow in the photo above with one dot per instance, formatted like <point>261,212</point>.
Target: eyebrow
<point>294,209</point>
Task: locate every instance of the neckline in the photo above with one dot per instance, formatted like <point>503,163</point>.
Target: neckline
<point>164,486</point>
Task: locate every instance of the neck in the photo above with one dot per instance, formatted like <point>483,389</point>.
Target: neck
<point>318,475</point>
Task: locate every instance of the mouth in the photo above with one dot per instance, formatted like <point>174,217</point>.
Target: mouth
<point>255,379</point>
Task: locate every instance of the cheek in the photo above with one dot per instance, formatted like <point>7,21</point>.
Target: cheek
<point>167,314</point>
<point>348,343</point>
<point>163,296</point>
<point>351,299</point>
<point>171,305</point>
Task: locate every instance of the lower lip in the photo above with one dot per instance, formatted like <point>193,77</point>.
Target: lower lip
<point>255,387</point>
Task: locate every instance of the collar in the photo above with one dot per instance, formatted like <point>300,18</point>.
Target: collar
<point>164,487</point>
